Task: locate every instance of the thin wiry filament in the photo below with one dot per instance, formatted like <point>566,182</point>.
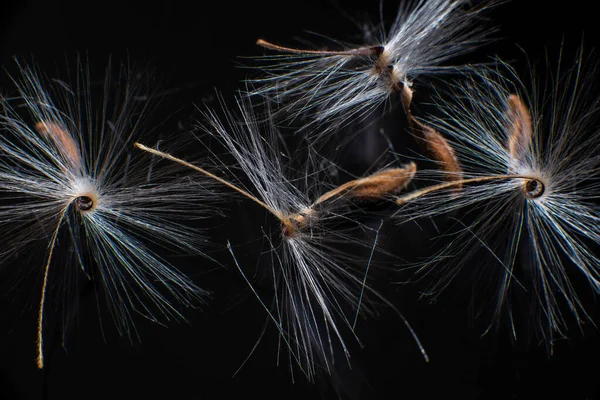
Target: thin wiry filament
<point>364,51</point>
<point>454,184</point>
<point>40,327</point>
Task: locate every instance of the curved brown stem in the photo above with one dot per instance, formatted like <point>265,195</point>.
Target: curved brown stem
<point>40,327</point>
<point>284,219</point>
<point>361,51</point>
<point>459,183</point>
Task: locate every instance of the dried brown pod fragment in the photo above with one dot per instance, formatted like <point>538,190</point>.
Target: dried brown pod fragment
<point>435,144</point>
<point>63,140</point>
<point>520,136</point>
<point>520,129</point>
<point>373,187</point>
<point>439,149</point>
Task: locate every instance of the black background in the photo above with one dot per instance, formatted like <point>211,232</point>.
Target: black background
<point>195,48</point>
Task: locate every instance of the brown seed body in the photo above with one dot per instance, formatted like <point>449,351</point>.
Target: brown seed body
<point>63,140</point>
<point>520,128</point>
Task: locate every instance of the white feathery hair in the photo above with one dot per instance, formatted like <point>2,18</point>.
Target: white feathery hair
<point>316,285</point>
<point>528,208</point>
<point>337,86</point>
<point>319,286</point>
<point>71,179</point>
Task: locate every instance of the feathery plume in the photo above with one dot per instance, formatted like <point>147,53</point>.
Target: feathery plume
<point>317,282</point>
<point>337,86</point>
<point>68,180</point>
<point>529,198</point>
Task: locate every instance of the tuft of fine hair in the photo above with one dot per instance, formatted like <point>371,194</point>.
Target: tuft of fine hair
<point>71,182</point>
